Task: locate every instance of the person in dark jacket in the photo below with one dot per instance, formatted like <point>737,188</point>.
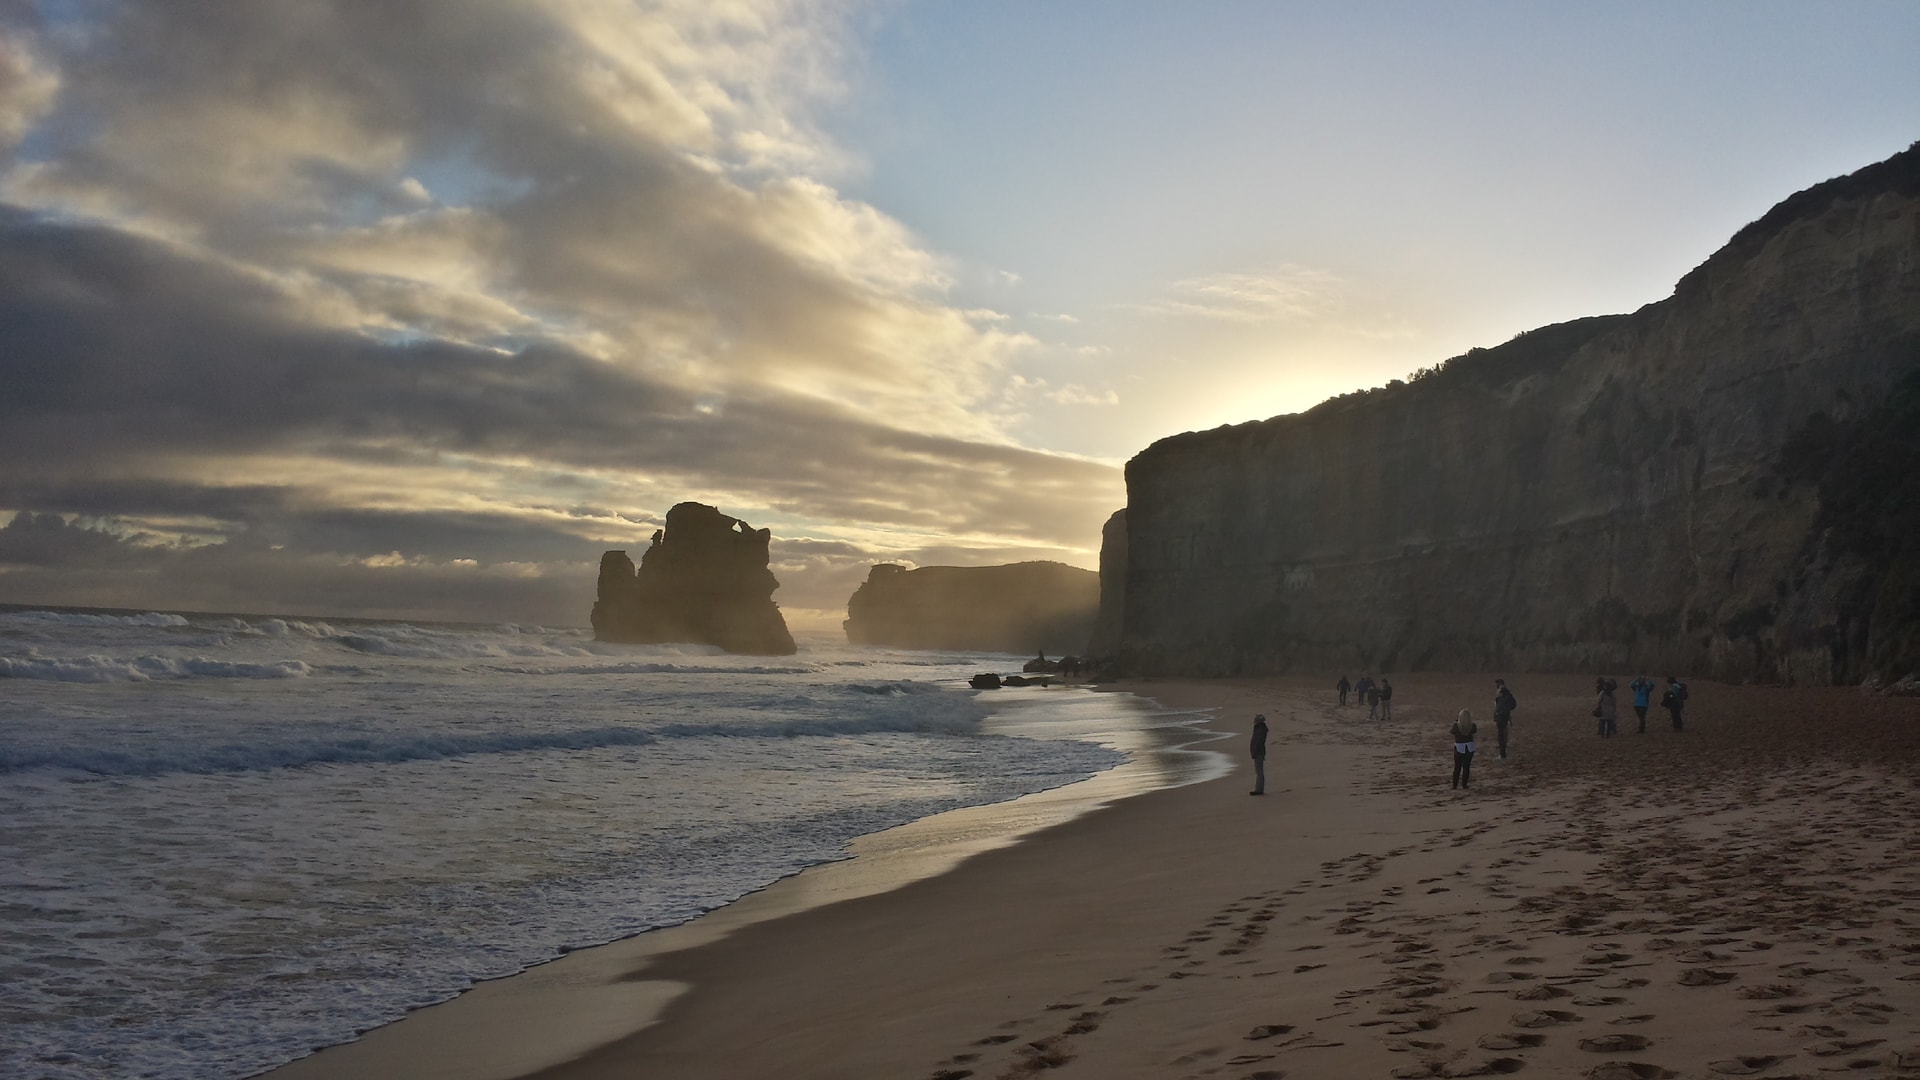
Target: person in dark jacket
<point>1675,702</point>
<point>1503,706</point>
<point>1257,746</point>
<point>1386,698</point>
<point>1343,688</point>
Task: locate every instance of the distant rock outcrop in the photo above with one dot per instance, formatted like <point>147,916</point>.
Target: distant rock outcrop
<point>1017,608</point>
<point>704,580</point>
<point>1722,483</point>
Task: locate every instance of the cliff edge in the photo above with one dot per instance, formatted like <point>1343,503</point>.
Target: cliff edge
<point>1016,608</point>
<point>703,580</point>
<point>1721,483</point>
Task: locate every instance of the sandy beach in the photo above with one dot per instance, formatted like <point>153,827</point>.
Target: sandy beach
<point>1740,899</point>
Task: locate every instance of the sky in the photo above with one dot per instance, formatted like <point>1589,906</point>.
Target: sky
<point>410,309</point>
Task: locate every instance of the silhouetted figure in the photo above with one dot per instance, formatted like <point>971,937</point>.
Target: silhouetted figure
<point>1257,746</point>
<point>1386,698</point>
<point>1363,688</point>
<point>1604,708</point>
<point>1642,688</point>
<point>1463,733</point>
<point>1503,706</point>
<point>1343,687</point>
<point>1675,702</point>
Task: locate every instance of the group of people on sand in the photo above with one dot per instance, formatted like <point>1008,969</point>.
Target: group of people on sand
<point>1378,697</point>
<point>1607,711</point>
<point>1465,732</point>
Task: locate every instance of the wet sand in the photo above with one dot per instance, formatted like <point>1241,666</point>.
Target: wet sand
<point>1739,899</point>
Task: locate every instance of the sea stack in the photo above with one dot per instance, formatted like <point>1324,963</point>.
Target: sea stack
<point>1016,608</point>
<point>704,580</point>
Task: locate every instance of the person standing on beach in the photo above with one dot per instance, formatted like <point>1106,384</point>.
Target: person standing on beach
<point>1386,698</point>
<point>1605,708</point>
<point>1343,688</point>
<point>1364,688</point>
<point>1463,732</point>
<point>1675,701</point>
<point>1503,706</point>
<point>1257,746</point>
<point>1642,688</point>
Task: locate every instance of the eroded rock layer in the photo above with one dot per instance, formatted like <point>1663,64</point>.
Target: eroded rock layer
<point>1018,608</point>
<point>704,580</point>
<point>1725,483</point>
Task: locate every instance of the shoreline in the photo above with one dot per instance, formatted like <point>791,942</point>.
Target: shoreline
<point>1721,901</point>
<point>556,1011</point>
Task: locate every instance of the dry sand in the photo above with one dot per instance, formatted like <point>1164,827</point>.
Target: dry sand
<point>1741,899</point>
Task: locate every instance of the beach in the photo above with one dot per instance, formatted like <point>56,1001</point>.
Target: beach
<point>1742,898</point>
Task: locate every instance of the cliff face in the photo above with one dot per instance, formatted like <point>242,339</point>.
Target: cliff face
<point>1722,483</point>
<point>1018,608</point>
<point>703,580</point>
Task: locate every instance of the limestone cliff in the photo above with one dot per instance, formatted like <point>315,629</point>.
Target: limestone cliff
<point>1724,483</point>
<point>1018,608</point>
<point>703,580</point>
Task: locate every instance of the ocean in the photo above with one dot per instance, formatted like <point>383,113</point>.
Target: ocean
<point>230,840</point>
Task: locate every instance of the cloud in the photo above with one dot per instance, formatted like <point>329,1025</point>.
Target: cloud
<point>432,289</point>
<point>28,86</point>
<point>1285,294</point>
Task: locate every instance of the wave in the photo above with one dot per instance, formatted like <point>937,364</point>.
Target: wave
<point>101,669</point>
<point>644,668</point>
<point>74,618</point>
<point>874,710</point>
<point>339,750</point>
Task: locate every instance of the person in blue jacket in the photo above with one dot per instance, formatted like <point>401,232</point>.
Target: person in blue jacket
<point>1642,688</point>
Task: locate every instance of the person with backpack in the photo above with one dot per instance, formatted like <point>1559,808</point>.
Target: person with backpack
<point>1503,706</point>
<point>1363,690</point>
<point>1675,702</point>
<point>1642,688</point>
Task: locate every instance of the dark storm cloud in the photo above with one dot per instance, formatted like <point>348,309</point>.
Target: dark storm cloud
<point>414,295</point>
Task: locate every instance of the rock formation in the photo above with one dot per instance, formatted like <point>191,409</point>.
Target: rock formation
<point>1725,483</point>
<point>1017,608</point>
<point>703,580</point>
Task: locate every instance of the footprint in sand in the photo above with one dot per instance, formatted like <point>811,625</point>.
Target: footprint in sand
<point>1516,1041</point>
<point>1597,1002</point>
<point>1268,1031</point>
<point>1488,1068</point>
<point>1838,1047</point>
<point>1544,1018</point>
<point>1511,976</point>
<point>1629,1070</point>
<point>1615,1044</point>
<point>1705,977</point>
<point>1621,984</point>
<point>1084,1023</point>
<point>1542,992</point>
<point>1766,991</point>
<point>995,1040</point>
<point>1746,1064</point>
